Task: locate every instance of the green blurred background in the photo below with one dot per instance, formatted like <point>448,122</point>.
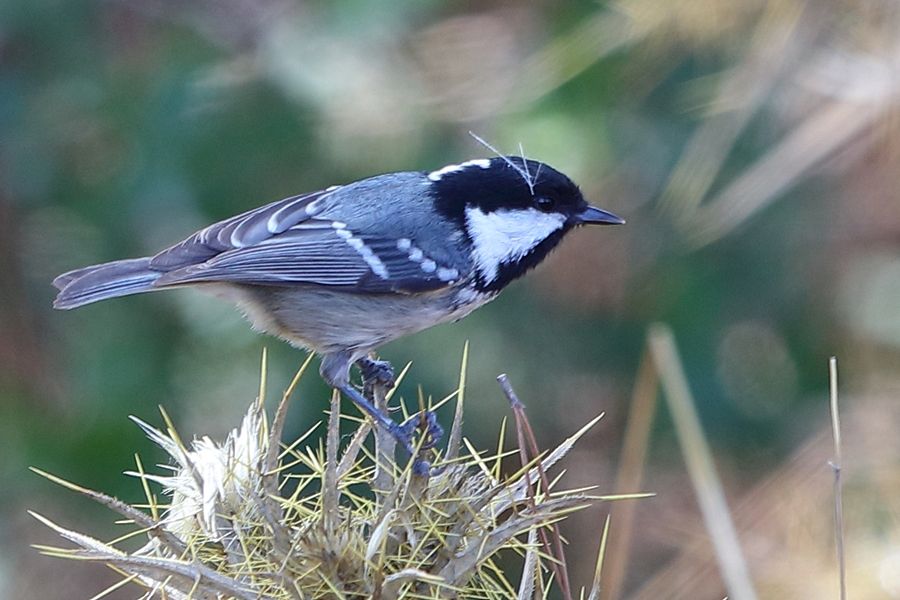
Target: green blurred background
<point>752,146</point>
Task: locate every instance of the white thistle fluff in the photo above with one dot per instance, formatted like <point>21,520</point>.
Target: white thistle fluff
<point>212,478</point>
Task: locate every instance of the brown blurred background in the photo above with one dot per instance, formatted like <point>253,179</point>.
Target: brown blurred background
<point>752,147</point>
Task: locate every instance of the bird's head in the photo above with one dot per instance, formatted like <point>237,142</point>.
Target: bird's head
<point>513,210</point>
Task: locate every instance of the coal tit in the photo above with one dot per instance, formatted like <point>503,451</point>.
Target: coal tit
<point>344,270</point>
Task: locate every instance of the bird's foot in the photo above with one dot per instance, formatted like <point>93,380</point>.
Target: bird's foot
<point>432,432</point>
<point>376,372</point>
<point>404,433</point>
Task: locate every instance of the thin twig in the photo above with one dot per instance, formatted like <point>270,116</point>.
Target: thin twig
<point>836,467</point>
<point>384,446</point>
<point>270,473</point>
<point>598,569</point>
<point>530,572</point>
<point>453,441</point>
<point>153,526</point>
<point>383,480</point>
<point>526,437</point>
<point>330,492</point>
<point>278,421</point>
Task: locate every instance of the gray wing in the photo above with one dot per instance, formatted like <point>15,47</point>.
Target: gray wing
<point>284,244</point>
<point>243,230</point>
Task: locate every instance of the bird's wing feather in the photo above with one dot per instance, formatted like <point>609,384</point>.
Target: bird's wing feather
<point>244,230</point>
<point>312,251</point>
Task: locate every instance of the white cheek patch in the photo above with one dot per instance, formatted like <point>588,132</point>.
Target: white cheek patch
<point>504,236</point>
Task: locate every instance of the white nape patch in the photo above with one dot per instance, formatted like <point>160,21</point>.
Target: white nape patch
<point>504,236</point>
<point>478,162</point>
<point>364,251</point>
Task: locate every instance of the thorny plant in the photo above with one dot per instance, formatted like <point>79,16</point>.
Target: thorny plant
<point>250,518</point>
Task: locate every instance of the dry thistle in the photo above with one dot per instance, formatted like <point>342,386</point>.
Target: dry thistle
<point>249,519</point>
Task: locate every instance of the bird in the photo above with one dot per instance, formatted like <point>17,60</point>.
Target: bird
<point>343,270</point>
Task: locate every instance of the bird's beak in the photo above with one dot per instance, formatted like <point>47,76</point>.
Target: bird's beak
<point>593,215</point>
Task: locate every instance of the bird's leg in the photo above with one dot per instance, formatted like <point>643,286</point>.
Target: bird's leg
<point>380,372</point>
<point>402,433</point>
<point>335,370</point>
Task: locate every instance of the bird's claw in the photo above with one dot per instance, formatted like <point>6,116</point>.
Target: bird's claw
<point>433,430</point>
<point>432,434</point>
<point>425,420</point>
<point>376,372</point>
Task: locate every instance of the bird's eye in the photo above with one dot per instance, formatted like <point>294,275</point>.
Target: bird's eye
<point>545,204</point>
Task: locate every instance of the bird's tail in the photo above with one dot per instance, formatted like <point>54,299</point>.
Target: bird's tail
<point>99,282</point>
